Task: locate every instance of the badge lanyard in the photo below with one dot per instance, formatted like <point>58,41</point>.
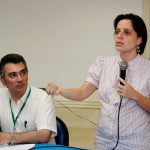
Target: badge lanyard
<point>12,114</point>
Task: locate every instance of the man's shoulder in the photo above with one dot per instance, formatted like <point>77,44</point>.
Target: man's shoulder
<point>4,94</point>
<point>3,90</point>
<point>38,92</point>
<point>40,97</point>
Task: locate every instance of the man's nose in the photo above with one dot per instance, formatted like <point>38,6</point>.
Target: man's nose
<point>19,77</point>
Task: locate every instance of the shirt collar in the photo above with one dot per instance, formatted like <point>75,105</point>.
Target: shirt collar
<point>25,95</point>
<point>133,62</point>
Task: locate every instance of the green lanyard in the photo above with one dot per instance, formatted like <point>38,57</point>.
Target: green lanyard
<point>12,114</point>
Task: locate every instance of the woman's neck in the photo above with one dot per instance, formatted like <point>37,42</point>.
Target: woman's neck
<point>128,56</point>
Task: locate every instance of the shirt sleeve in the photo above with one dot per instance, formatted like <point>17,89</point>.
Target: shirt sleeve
<point>95,70</point>
<point>46,117</point>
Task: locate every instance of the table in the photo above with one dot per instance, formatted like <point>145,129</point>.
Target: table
<point>55,147</point>
<point>38,147</point>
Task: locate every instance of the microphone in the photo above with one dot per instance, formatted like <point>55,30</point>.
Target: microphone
<point>123,66</point>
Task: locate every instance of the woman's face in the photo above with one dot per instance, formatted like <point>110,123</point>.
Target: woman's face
<point>126,39</point>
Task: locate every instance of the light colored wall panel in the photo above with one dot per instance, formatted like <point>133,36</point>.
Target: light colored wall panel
<point>60,39</point>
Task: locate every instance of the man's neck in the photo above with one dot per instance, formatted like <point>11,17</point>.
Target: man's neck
<point>16,97</point>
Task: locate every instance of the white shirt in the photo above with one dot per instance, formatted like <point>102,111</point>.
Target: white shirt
<point>38,113</point>
<point>134,123</point>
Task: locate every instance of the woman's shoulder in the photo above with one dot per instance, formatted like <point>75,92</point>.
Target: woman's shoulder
<point>106,59</point>
<point>144,61</point>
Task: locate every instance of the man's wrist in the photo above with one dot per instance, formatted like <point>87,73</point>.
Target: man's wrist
<point>12,138</point>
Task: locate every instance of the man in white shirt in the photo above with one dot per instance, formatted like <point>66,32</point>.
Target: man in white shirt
<point>27,115</point>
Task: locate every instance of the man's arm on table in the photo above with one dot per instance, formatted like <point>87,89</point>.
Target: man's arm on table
<point>40,136</point>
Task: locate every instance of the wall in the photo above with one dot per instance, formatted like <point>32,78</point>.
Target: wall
<point>146,18</point>
<point>60,39</point>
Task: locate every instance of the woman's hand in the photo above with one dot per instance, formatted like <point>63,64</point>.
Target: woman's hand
<point>126,90</point>
<point>52,89</point>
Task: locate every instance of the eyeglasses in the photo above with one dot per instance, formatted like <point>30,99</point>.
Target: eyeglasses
<point>14,75</point>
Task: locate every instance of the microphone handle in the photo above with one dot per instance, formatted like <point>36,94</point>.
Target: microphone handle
<point>122,75</point>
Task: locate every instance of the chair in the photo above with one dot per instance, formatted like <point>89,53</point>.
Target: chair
<point>62,137</point>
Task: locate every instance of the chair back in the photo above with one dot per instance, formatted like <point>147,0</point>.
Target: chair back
<point>62,137</point>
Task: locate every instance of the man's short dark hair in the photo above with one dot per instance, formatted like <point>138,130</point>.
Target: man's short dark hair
<point>11,58</point>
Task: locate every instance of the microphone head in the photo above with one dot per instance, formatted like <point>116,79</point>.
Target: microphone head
<point>123,65</point>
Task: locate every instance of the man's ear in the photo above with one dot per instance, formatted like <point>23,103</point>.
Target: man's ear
<point>3,81</point>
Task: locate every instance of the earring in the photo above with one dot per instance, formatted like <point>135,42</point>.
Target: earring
<point>138,49</point>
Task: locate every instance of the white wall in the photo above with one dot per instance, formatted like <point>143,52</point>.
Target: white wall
<point>60,39</point>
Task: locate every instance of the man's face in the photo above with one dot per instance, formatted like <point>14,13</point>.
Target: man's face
<point>15,79</point>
